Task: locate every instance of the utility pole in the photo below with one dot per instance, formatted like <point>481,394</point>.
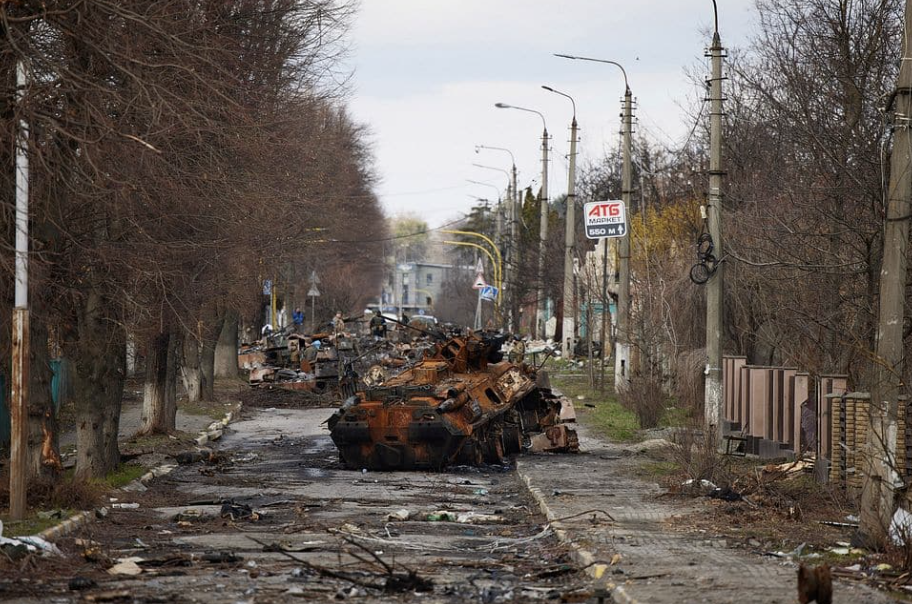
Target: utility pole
<point>715,286</point>
<point>498,223</point>
<point>622,341</point>
<point>568,324</point>
<point>621,344</point>
<point>511,253</point>
<point>541,301</point>
<point>19,395</point>
<point>881,479</point>
<point>514,239</point>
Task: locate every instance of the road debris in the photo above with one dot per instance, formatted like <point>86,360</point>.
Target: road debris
<point>239,511</point>
<point>126,566</point>
<point>81,583</point>
<point>17,548</point>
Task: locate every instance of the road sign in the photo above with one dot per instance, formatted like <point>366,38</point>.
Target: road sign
<point>313,291</point>
<point>314,279</point>
<point>489,292</point>
<point>267,287</point>
<point>479,268</point>
<point>480,283</point>
<point>605,219</point>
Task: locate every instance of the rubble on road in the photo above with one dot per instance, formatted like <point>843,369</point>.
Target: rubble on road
<point>324,367</point>
<point>18,547</point>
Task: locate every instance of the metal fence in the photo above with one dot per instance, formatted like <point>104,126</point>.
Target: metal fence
<point>780,411</point>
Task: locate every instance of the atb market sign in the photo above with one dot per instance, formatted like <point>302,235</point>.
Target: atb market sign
<point>605,219</point>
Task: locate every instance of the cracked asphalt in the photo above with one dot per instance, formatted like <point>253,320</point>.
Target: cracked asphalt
<point>276,518</point>
<point>318,532</point>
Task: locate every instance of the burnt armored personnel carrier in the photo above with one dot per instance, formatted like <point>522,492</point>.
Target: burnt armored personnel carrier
<point>462,404</point>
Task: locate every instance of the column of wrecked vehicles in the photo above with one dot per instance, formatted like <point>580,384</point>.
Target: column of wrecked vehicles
<point>419,398</point>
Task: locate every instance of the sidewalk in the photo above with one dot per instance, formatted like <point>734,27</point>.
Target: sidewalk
<point>657,564</point>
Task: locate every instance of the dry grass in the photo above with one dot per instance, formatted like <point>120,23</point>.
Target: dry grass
<point>63,492</point>
<point>647,399</point>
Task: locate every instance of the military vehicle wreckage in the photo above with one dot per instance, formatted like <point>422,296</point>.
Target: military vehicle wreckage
<point>461,404</point>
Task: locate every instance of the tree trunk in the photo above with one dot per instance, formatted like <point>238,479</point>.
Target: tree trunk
<point>159,400</point>
<point>97,350</point>
<point>226,364</point>
<point>211,329</point>
<point>190,368</point>
<point>174,358</point>
<point>43,445</point>
<point>207,369</point>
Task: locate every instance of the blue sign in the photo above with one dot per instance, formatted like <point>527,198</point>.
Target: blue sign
<point>267,287</point>
<point>489,292</point>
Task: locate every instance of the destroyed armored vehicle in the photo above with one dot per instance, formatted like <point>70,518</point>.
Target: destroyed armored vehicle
<point>462,404</point>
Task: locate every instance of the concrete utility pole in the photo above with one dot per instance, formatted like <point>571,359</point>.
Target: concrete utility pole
<point>499,215</point>
<point>499,226</point>
<point>541,301</point>
<point>621,344</point>
<point>514,261</point>
<point>881,478</point>
<point>19,395</point>
<point>715,286</point>
<point>568,322</point>
<point>538,325</point>
<point>513,248</point>
<point>568,329</point>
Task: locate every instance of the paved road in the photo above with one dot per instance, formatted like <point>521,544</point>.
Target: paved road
<point>326,534</point>
<point>656,564</point>
<point>324,521</point>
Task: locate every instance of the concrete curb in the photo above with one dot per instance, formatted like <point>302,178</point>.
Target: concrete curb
<point>80,519</point>
<point>583,557</point>
<point>215,429</point>
<point>67,526</point>
<point>212,433</point>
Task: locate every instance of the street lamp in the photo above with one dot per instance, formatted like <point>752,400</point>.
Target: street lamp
<point>512,248</point>
<point>499,238</point>
<point>622,342</point>
<point>568,329</point>
<point>539,326</point>
<point>498,217</point>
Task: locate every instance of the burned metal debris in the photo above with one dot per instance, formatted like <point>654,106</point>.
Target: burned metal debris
<point>461,404</point>
<point>325,365</point>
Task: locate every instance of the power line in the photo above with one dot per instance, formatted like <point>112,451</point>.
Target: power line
<point>395,237</point>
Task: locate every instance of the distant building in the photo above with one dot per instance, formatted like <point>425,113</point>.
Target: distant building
<point>414,287</point>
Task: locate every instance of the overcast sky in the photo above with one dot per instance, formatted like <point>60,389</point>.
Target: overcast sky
<point>428,72</point>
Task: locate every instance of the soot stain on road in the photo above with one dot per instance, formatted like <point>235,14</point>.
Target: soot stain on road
<point>278,517</point>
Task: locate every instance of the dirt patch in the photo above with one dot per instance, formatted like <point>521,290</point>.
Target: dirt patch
<point>279,398</point>
<point>168,445</point>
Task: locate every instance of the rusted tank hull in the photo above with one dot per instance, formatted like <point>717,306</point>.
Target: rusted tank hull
<point>407,438</point>
<point>452,408</point>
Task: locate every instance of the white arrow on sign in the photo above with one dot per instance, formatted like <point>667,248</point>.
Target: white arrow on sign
<point>479,282</point>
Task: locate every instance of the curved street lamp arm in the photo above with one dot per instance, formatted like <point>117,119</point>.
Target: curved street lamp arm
<point>512,159</point>
<point>549,89</point>
<point>538,113</point>
<point>483,249</point>
<point>615,63</point>
<point>486,184</point>
<point>492,168</point>
<point>716,15</point>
